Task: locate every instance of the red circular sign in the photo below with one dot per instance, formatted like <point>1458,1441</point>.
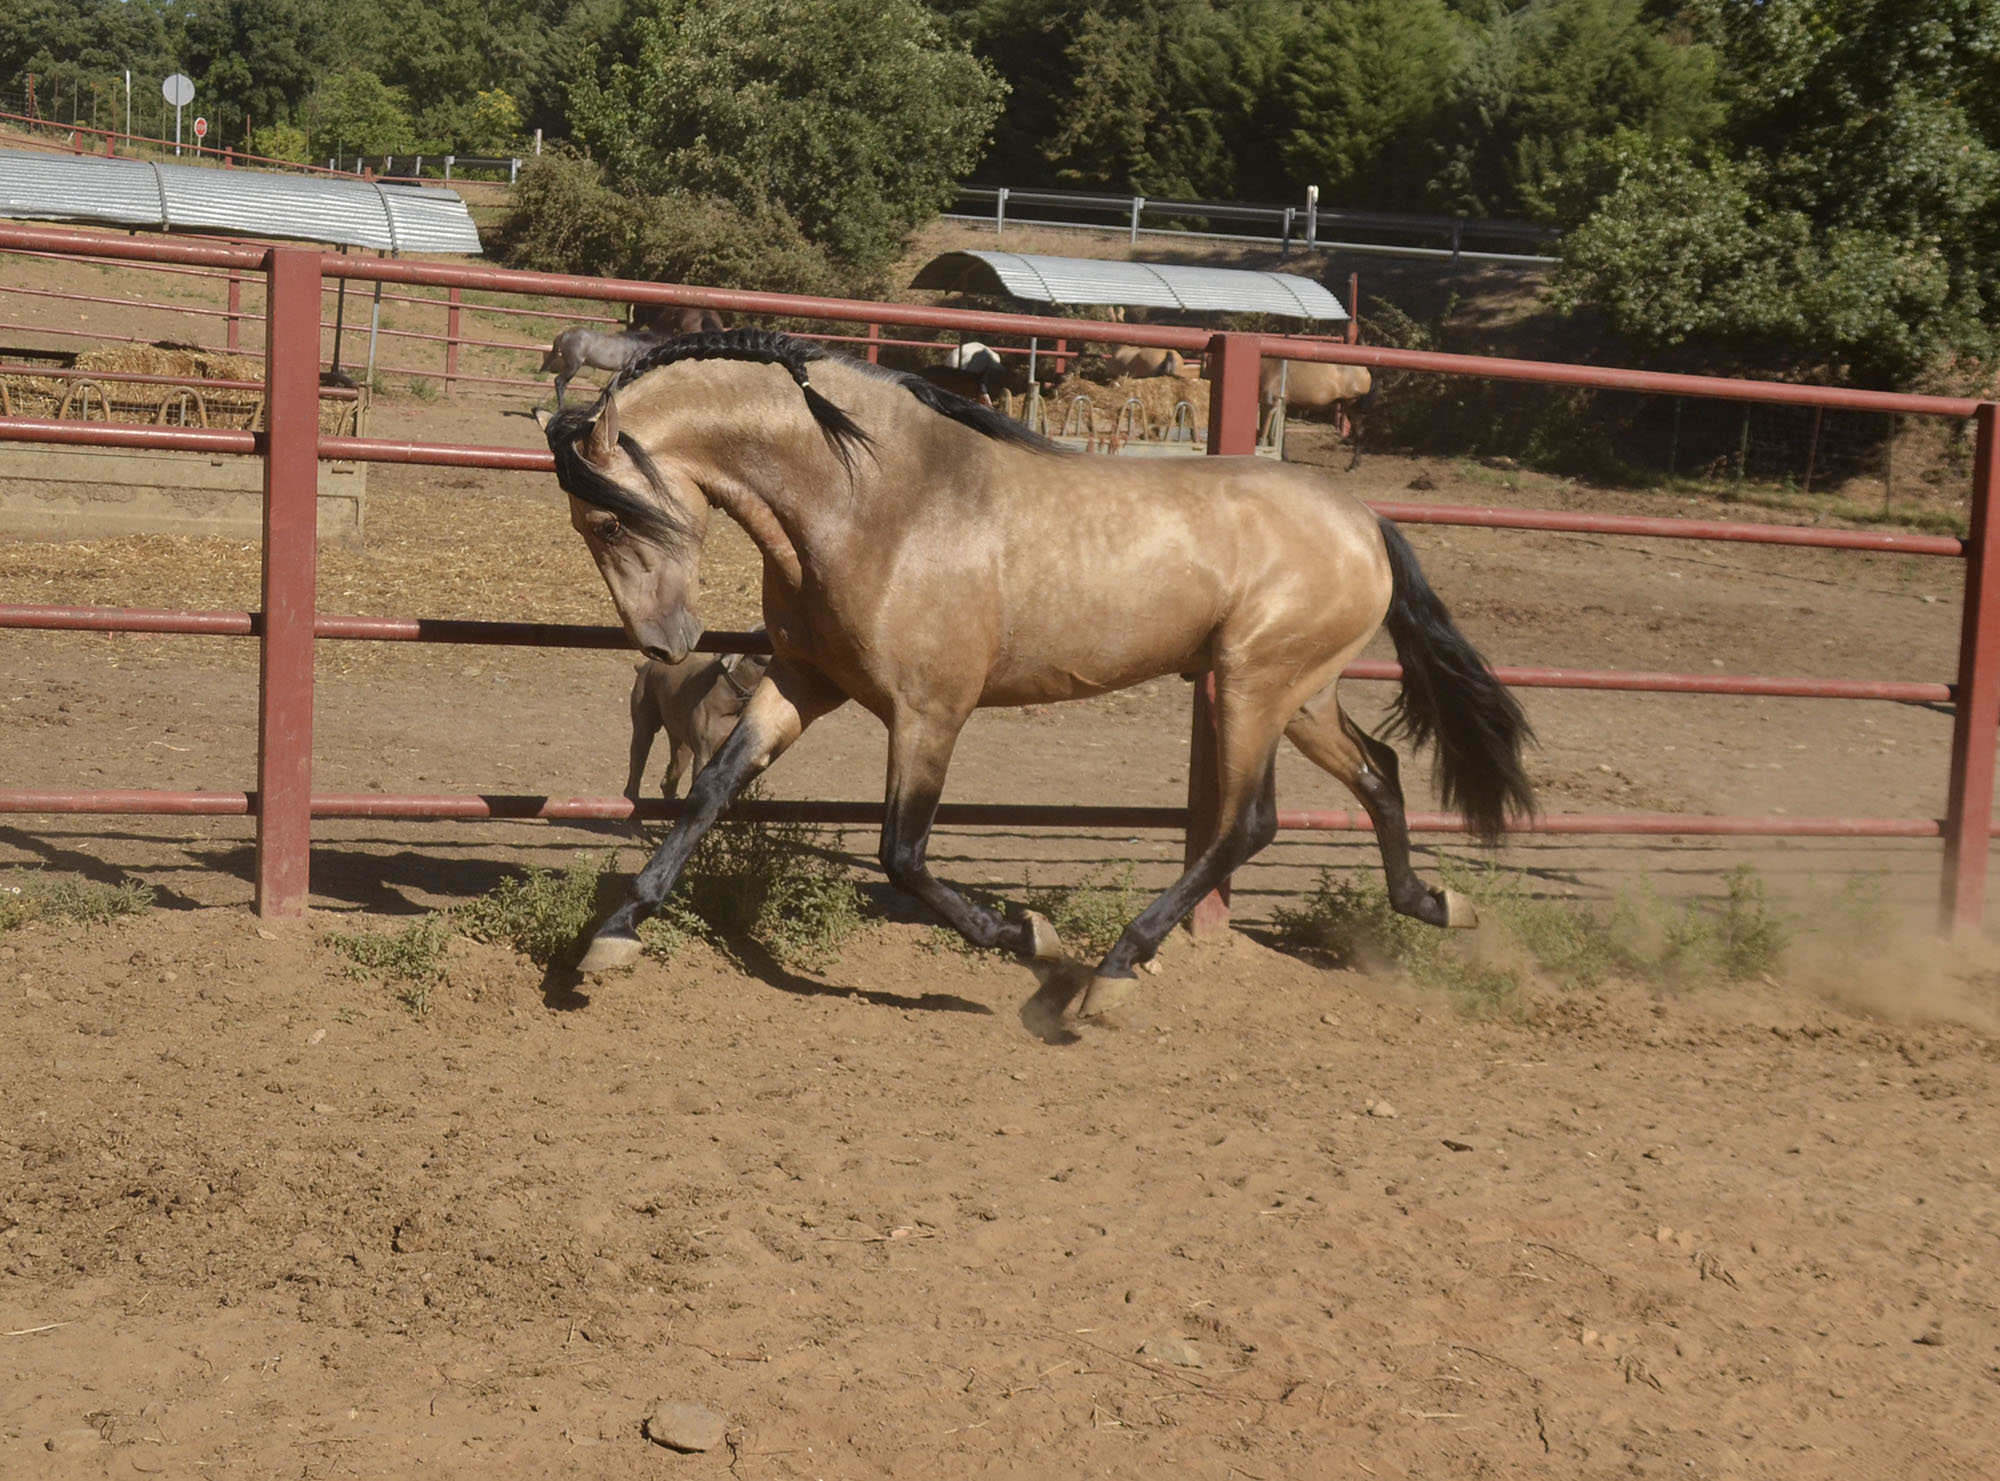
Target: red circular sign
<point>200,127</point>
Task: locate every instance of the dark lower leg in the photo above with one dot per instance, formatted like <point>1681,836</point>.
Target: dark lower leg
<point>1254,828</point>
<point>1380,791</point>
<point>734,767</point>
<point>906,831</point>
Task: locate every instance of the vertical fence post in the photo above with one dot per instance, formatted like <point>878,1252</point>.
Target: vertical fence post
<point>291,528</point>
<point>1968,823</point>
<point>874,344</point>
<point>235,309</point>
<point>1233,361</point>
<point>453,299</point>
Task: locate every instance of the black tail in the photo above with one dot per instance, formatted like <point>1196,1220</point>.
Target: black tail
<point>1450,697</point>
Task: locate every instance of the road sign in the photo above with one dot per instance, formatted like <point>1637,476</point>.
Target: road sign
<point>178,89</point>
<point>201,128</point>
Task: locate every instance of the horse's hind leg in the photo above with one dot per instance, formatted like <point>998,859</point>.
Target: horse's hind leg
<point>784,704</point>
<point>919,753</point>
<point>1322,731</point>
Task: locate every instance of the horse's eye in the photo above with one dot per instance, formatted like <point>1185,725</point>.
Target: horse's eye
<point>609,531</point>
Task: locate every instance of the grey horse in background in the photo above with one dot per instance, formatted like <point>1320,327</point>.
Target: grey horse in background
<point>584,348</point>
<point>697,702</point>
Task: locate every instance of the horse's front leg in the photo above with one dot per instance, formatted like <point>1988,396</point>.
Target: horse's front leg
<point>919,753</point>
<point>784,704</point>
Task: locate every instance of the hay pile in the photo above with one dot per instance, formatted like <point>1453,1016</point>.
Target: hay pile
<point>191,402</point>
<point>1158,397</point>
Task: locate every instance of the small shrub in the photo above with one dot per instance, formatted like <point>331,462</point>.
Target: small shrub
<point>1358,927</point>
<point>423,388</point>
<point>773,883</point>
<point>29,895</point>
<point>542,914</point>
<point>411,961</point>
<point>1092,915</point>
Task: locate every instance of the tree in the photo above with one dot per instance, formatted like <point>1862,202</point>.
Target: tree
<point>1369,83</point>
<point>1857,181</point>
<point>253,61</point>
<point>852,118</point>
<point>1545,86</point>
<point>355,112</point>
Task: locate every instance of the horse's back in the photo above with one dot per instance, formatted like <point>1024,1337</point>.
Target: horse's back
<point>1310,383</point>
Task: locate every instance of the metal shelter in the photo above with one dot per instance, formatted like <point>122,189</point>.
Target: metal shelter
<point>255,203</point>
<point>1161,285</point>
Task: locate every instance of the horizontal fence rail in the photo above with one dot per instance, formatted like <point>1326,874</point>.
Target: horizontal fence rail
<point>284,803</point>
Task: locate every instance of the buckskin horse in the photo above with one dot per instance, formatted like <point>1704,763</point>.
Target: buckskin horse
<point>925,556</point>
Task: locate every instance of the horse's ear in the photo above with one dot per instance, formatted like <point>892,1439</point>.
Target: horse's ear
<point>542,417</point>
<point>602,440</point>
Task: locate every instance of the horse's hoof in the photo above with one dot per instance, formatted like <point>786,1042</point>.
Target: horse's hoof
<point>1044,945</point>
<point>1103,994</point>
<point>609,952</point>
<point>1459,912</point>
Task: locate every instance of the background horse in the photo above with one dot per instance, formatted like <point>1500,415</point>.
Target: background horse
<point>1308,385</point>
<point>596,349</point>
<point>925,556</point>
<point>675,318</point>
<point>697,702</point>
<point>968,371</point>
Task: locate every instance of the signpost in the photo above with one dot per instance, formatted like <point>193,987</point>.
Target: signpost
<point>178,90</point>
<point>200,132</point>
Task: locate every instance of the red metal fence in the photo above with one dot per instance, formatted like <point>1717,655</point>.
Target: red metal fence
<point>288,626</point>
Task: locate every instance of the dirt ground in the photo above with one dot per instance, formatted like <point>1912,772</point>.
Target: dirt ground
<point>1278,1221</point>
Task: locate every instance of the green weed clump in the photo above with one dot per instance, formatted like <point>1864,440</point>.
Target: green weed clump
<point>542,914</point>
<point>30,895</point>
<point>1356,926</point>
<point>774,883</point>
<point>411,961</point>
<point>1639,937</point>
<point>1090,916</point>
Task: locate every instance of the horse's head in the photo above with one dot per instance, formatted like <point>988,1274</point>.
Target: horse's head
<point>644,526</point>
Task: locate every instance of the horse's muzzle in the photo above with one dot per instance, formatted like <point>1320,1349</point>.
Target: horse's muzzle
<point>671,639</point>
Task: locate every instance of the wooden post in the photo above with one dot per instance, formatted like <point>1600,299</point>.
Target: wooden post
<point>235,309</point>
<point>291,528</point>
<point>1233,361</point>
<point>1968,823</point>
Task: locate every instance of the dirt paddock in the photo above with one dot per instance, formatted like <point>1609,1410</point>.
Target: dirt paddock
<point>1279,1221</point>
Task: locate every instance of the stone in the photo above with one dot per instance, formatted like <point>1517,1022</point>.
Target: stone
<point>689,1428</point>
<point>1176,1350</point>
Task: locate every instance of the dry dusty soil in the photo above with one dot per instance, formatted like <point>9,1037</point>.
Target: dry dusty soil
<point>1278,1220</point>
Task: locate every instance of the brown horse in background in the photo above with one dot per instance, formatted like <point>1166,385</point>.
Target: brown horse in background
<point>675,318</point>
<point>925,556</point>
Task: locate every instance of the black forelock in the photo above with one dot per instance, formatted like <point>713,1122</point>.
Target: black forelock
<point>659,522</point>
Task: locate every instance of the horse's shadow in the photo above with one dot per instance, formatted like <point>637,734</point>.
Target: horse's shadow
<point>564,989</point>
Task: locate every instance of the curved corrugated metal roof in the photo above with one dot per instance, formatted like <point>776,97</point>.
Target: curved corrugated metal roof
<point>255,203</point>
<point>1161,285</point>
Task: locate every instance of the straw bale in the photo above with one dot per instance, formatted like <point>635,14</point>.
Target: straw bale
<point>1157,395</point>
<point>85,398</point>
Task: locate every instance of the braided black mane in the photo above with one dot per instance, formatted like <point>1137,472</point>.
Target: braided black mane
<point>768,347</point>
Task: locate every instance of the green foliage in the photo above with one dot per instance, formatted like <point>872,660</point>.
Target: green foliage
<point>1368,84</point>
<point>30,895</point>
<point>252,61</point>
<point>1090,916</point>
<point>542,914</point>
<point>1843,226</point>
<point>355,112</point>
<point>772,883</point>
<point>567,219</point>
<point>285,141</point>
<point>851,117</point>
<point>411,961</point>
<point>1638,937</point>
